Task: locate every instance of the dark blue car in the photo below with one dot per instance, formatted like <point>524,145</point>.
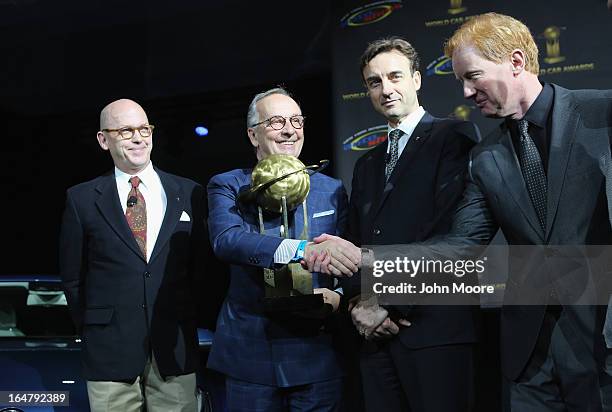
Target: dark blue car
<point>40,351</point>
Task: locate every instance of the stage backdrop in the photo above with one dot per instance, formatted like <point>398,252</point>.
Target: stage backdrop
<point>574,39</point>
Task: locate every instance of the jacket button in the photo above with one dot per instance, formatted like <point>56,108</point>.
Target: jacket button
<point>147,274</point>
<point>144,306</point>
<point>377,231</point>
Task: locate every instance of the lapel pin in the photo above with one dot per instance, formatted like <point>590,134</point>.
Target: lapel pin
<point>417,138</point>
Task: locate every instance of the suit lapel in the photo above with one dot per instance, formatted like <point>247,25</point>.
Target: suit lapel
<point>109,205</point>
<point>375,174</point>
<point>418,138</point>
<point>562,136</point>
<point>298,218</point>
<point>510,169</point>
<point>174,207</point>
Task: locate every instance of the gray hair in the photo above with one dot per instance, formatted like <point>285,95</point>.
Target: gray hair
<point>253,114</point>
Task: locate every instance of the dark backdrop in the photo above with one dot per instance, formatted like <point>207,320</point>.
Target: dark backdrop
<point>187,62</point>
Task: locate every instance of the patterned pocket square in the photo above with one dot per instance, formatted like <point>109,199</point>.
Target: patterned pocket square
<point>321,214</point>
<point>184,217</point>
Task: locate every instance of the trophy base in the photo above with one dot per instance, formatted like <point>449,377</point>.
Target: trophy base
<point>303,305</point>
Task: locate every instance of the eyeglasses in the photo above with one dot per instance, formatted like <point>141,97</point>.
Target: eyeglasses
<point>126,133</point>
<point>278,122</point>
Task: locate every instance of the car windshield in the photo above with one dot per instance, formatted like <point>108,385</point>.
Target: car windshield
<point>34,309</point>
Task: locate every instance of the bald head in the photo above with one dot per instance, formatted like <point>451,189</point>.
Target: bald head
<point>115,114</point>
<point>131,155</point>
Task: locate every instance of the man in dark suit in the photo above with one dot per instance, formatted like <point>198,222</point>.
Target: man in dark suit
<point>537,178</point>
<point>128,248</point>
<point>605,162</point>
<point>405,191</point>
<point>270,363</point>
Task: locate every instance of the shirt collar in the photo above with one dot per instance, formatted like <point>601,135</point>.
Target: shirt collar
<point>410,122</point>
<point>146,175</point>
<point>537,114</point>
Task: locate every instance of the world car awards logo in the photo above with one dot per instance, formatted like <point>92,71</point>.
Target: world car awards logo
<point>551,36</point>
<point>370,13</point>
<point>366,139</point>
<point>455,7</point>
<point>553,47</point>
<point>440,66</point>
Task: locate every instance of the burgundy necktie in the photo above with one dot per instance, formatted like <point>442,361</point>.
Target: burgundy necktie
<point>136,215</point>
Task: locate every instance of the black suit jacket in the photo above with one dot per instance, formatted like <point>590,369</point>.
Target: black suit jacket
<point>577,213</point>
<point>418,202</point>
<point>123,306</point>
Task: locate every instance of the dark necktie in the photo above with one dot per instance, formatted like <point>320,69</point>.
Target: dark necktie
<point>394,137</point>
<point>136,215</point>
<point>533,172</point>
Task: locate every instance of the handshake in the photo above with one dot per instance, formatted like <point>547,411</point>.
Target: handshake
<point>332,255</point>
<point>335,256</point>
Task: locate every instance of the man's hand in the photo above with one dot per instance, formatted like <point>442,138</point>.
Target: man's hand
<point>329,296</point>
<point>367,318</point>
<point>332,255</point>
<point>387,329</point>
<point>317,262</point>
<point>353,302</point>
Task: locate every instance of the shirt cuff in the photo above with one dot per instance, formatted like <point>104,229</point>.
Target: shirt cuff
<point>286,251</point>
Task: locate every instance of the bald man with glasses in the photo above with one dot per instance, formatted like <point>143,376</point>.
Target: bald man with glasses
<point>129,247</point>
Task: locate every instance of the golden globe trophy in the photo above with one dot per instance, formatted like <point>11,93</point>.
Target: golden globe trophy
<point>279,184</point>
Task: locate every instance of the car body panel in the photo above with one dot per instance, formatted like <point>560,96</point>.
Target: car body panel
<point>40,351</point>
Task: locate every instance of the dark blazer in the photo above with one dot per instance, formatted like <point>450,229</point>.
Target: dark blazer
<point>249,345</point>
<point>124,307</point>
<point>417,203</point>
<point>577,213</point>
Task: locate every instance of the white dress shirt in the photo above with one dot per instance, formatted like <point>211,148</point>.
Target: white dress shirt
<point>407,126</point>
<point>286,251</point>
<point>155,198</point>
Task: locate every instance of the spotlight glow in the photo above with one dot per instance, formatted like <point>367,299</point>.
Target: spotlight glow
<point>201,131</point>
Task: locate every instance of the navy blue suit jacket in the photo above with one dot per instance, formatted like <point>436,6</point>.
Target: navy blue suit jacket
<point>248,345</point>
<point>124,306</point>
